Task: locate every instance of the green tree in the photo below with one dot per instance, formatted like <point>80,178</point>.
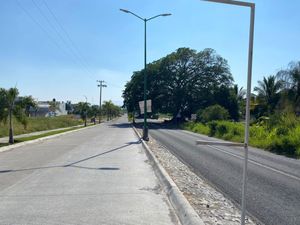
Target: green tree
<point>11,106</point>
<point>27,102</point>
<point>214,112</point>
<point>110,110</point>
<point>268,93</point>
<point>182,81</point>
<point>291,86</point>
<point>93,112</point>
<point>82,108</point>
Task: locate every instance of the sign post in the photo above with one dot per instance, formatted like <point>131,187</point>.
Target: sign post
<point>249,77</point>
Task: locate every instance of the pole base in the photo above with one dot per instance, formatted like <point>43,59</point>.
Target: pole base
<point>145,134</point>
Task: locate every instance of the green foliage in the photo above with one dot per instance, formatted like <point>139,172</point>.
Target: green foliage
<point>214,112</point>
<point>110,110</point>
<point>40,124</point>
<point>13,106</point>
<point>82,108</point>
<point>196,127</point>
<point>268,93</point>
<point>281,138</point>
<point>182,81</point>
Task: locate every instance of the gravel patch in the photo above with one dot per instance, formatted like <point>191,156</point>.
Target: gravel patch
<point>212,206</point>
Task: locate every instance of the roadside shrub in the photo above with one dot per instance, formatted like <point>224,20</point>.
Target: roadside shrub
<point>280,139</point>
<point>211,113</point>
<point>221,129</point>
<point>284,146</point>
<point>212,128</point>
<point>199,128</point>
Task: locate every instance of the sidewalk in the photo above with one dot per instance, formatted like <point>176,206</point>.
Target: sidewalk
<point>96,176</point>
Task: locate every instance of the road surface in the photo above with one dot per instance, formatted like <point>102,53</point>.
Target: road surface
<point>99,175</point>
<point>273,194</point>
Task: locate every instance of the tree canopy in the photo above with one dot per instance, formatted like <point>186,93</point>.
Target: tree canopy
<point>183,81</point>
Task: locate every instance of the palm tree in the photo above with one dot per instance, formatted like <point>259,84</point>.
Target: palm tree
<point>268,92</point>
<point>12,94</point>
<point>11,106</point>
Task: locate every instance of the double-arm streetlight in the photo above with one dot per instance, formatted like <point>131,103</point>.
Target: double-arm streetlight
<point>249,76</point>
<point>145,128</point>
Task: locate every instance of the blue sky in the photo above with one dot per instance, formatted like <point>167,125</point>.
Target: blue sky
<point>103,43</point>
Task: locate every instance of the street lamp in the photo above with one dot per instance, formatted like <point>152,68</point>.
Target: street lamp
<point>249,76</point>
<point>145,128</point>
<point>100,85</point>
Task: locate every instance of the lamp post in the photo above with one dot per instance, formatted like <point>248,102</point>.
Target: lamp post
<point>85,111</point>
<point>249,76</point>
<point>100,85</point>
<point>145,128</point>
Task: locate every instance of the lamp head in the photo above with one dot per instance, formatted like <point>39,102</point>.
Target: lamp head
<point>166,14</point>
<point>124,10</point>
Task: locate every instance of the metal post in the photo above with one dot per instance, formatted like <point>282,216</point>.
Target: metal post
<point>249,77</point>
<point>145,128</point>
<point>100,103</point>
<point>85,111</point>
<point>100,85</point>
<point>250,60</point>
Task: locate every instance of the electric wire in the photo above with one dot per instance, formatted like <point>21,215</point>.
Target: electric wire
<point>60,36</point>
<point>67,35</point>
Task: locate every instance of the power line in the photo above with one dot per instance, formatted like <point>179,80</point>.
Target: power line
<point>41,27</point>
<point>66,33</point>
<point>73,53</point>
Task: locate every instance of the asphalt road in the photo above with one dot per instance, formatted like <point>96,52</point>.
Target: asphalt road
<point>99,175</point>
<point>273,193</point>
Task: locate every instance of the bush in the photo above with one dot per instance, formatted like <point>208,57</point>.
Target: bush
<point>214,112</point>
<point>284,146</point>
<point>279,139</point>
<point>199,128</point>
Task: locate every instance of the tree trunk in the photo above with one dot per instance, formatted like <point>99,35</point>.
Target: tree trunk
<point>11,135</point>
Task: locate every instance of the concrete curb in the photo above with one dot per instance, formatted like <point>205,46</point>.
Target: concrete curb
<point>184,210</point>
<point>13,146</point>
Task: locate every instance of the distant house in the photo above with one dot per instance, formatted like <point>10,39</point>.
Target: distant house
<point>43,110</point>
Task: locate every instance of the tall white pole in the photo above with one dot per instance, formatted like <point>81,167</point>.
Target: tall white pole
<point>249,78</point>
<point>250,61</point>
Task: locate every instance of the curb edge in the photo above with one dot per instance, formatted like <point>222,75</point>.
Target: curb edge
<point>186,213</point>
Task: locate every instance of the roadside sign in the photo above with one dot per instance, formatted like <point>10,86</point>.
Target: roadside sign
<point>148,104</point>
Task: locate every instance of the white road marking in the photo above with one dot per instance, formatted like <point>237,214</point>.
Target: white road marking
<point>256,163</point>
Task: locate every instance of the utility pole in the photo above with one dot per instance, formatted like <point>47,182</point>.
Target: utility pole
<point>100,85</point>
<point>85,111</point>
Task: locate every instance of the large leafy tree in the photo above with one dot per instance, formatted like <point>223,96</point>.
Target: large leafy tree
<point>268,93</point>
<point>182,82</point>
<point>12,106</point>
